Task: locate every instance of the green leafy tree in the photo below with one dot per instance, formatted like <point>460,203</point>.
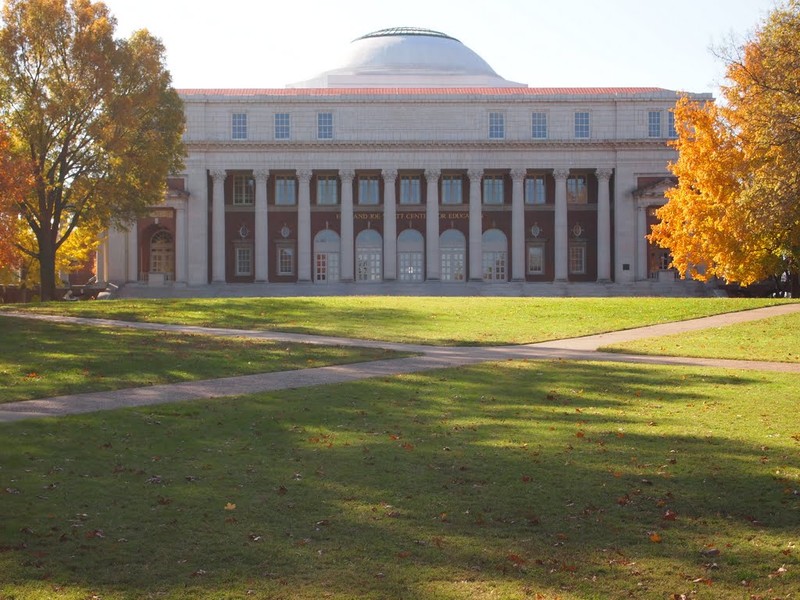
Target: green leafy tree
<point>96,117</point>
<point>735,213</point>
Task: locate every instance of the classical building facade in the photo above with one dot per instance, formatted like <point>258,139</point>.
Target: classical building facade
<point>412,161</point>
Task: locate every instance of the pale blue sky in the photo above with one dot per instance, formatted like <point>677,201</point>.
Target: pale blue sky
<point>579,43</point>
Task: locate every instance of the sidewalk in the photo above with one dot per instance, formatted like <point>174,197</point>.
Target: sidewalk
<point>430,357</point>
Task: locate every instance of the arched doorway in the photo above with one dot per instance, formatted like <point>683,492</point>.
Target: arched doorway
<point>410,255</point>
<point>327,246</point>
<point>495,256</point>
<point>369,256</point>
<point>162,254</point>
<point>453,250</point>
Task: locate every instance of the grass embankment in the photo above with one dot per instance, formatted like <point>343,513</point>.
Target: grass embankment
<point>436,321</point>
<point>41,360</point>
<point>774,339</point>
<point>512,480</point>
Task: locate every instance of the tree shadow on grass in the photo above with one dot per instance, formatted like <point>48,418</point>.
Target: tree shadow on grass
<point>567,479</point>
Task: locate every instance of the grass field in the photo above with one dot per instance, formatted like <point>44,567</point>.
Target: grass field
<point>513,480</point>
<point>41,360</point>
<point>438,321</point>
<point>773,339</point>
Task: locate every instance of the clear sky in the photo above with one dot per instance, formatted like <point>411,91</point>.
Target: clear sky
<point>543,43</point>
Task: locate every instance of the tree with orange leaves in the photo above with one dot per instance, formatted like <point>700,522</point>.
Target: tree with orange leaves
<point>735,213</point>
<point>15,185</point>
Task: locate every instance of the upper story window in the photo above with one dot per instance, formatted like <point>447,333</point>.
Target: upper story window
<point>239,126</point>
<point>325,126</point>
<point>582,125</point>
<point>368,189</point>
<point>452,189</point>
<point>327,190</point>
<point>244,189</point>
<point>539,126</point>
<point>577,191</point>
<point>535,190</point>
<point>285,191</point>
<point>282,130</point>
<point>410,189</point>
<point>671,131</point>
<point>497,126</point>
<point>493,189</point>
<point>654,124</point>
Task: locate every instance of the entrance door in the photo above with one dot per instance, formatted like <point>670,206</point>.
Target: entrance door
<point>453,249</point>
<point>326,256</point>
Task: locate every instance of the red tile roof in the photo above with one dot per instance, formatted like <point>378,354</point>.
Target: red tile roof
<point>472,91</point>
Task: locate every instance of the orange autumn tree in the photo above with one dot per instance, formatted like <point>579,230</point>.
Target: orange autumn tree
<point>735,213</point>
<point>15,184</point>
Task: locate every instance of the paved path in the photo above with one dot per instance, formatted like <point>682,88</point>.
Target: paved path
<point>430,357</point>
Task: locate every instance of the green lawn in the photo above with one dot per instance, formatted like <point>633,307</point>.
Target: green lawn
<point>566,480</point>
<point>439,321</point>
<point>773,339</point>
<point>41,360</point>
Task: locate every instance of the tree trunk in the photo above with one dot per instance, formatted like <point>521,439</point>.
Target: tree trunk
<point>47,268</point>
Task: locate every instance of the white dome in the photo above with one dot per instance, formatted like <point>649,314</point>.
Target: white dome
<point>408,57</point>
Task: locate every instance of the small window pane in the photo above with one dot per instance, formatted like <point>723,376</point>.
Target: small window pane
<point>582,129</point>
<point>577,192</point>
<point>452,189</point>
<point>325,126</point>
<point>539,126</point>
<point>282,131</point>
<point>493,190</point>
<point>410,189</point>
<point>535,190</point>
<point>239,126</point>
<point>285,193</point>
<point>244,260</point>
<point>368,190</point>
<point>243,189</point>
<point>497,130</point>
<point>285,261</point>
<point>654,124</point>
<point>671,125</point>
<point>536,259</point>
<point>327,190</point>
<point>577,259</point>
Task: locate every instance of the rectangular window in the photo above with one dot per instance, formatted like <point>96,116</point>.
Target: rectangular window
<point>539,126</point>
<point>244,189</point>
<point>368,190</point>
<point>654,124</point>
<point>285,191</point>
<point>577,192</point>
<point>410,189</point>
<point>282,131</point>
<point>582,125</point>
<point>536,259</point>
<point>493,189</point>
<point>671,131</point>
<point>244,261</point>
<point>497,126</point>
<point>327,190</point>
<point>239,126</point>
<point>325,126</point>
<point>285,261</point>
<point>577,259</point>
<point>535,190</point>
<point>452,189</point>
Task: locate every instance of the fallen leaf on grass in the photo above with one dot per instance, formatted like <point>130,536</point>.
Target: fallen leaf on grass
<point>655,537</point>
<point>230,506</point>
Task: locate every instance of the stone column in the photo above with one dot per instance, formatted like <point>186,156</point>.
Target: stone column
<point>346,215</point>
<point>433,262</point>
<point>132,236</point>
<point>304,226</point>
<point>197,224</point>
<point>262,226</point>
<point>603,225</point>
<point>641,243</point>
<point>560,225</point>
<point>218,227</point>
<point>180,243</point>
<point>389,225</point>
<point>475,226</point>
<point>517,225</point>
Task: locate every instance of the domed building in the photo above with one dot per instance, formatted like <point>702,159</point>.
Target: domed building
<point>410,161</point>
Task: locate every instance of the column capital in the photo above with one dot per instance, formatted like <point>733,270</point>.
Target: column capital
<point>217,174</point>
<point>561,173</point>
<point>389,175</point>
<point>475,174</point>
<point>261,174</point>
<point>518,174</point>
<point>432,174</point>
<point>303,176</point>
<point>347,175</point>
<point>604,174</point>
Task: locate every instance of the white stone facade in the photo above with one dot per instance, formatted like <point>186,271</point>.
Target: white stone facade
<point>492,182</point>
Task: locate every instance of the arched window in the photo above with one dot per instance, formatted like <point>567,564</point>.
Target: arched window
<point>410,253</point>
<point>369,256</point>
<point>326,256</point>
<point>453,250</point>
<point>162,254</point>
<point>495,255</point>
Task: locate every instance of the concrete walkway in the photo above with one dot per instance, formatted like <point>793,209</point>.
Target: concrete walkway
<point>429,357</point>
